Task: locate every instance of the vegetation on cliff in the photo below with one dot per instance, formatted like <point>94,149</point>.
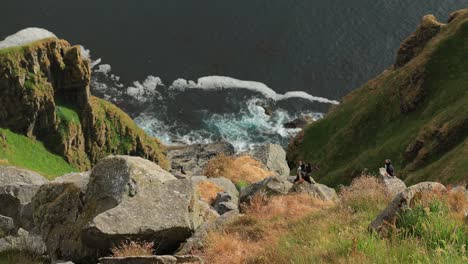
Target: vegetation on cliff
<point>21,151</point>
<point>414,113</point>
<point>44,94</point>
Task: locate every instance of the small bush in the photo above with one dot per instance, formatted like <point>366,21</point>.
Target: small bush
<point>132,248</point>
<point>243,169</point>
<point>430,221</point>
<point>366,193</point>
<point>241,184</point>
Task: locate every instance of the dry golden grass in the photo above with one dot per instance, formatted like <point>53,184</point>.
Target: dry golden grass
<point>362,190</point>
<point>208,191</point>
<point>132,248</point>
<point>265,221</point>
<point>237,169</point>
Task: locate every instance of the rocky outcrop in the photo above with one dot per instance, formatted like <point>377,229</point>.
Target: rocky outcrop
<point>270,186</point>
<point>44,93</point>
<point>127,198</point>
<point>273,157</point>
<point>393,185</point>
<point>300,122</point>
<point>193,158</point>
<point>403,201</point>
<point>17,188</point>
<point>414,44</point>
<point>316,190</point>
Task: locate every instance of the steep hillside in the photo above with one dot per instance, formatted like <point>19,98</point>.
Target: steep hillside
<point>415,113</point>
<point>44,94</point>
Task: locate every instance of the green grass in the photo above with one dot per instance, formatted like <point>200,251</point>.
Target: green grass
<point>30,154</point>
<point>369,125</point>
<point>423,235</point>
<point>19,257</point>
<point>67,114</point>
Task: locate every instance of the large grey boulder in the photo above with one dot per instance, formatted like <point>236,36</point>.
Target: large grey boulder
<point>17,187</point>
<point>403,201</point>
<point>127,198</point>
<point>273,157</point>
<point>270,186</point>
<point>193,158</point>
<point>23,241</point>
<point>316,190</point>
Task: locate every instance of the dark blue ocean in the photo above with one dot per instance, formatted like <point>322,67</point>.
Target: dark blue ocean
<point>149,56</point>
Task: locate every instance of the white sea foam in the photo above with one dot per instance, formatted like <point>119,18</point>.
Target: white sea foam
<point>145,91</point>
<point>222,82</point>
<point>26,36</point>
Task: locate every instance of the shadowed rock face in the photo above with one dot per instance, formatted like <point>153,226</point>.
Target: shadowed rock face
<point>44,93</point>
<point>17,188</point>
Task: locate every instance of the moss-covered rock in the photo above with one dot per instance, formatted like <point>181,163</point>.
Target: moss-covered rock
<point>44,94</point>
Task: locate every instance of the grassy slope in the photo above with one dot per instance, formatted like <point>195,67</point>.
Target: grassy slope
<point>25,152</point>
<point>296,229</point>
<point>368,126</point>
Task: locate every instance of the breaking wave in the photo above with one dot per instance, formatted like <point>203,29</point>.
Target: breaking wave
<point>245,113</point>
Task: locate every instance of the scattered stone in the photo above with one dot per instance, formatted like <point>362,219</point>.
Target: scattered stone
<point>193,158</point>
<point>270,186</point>
<point>7,225</point>
<point>273,157</point>
<point>17,187</point>
<point>317,190</point>
<point>403,201</point>
<point>224,203</point>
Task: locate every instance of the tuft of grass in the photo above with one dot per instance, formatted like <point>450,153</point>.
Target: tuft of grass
<point>240,170</point>
<point>21,151</point>
<point>208,191</point>
<point>133,249</point>
<point>365,194</point>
